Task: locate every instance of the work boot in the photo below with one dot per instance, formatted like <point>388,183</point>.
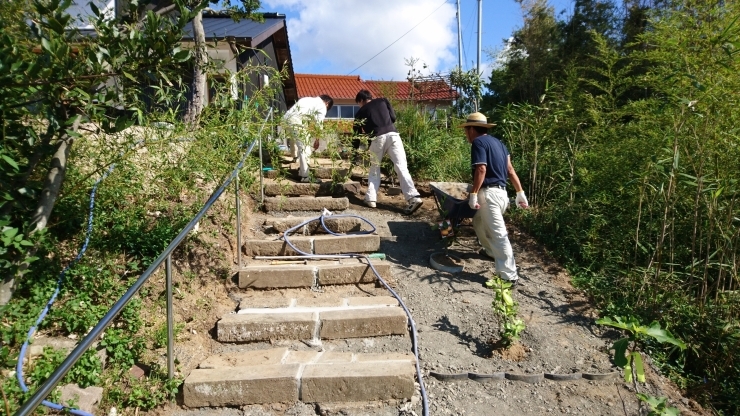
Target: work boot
<point>414,204</point>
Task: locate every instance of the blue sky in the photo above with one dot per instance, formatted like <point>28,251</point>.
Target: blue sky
<point>341,36</point>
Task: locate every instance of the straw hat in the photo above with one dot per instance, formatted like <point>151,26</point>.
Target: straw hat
<point>477,119</point>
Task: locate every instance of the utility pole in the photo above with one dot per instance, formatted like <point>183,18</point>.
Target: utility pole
<point>478,73</point>
<point>459,38</point>
<point>480,29</point>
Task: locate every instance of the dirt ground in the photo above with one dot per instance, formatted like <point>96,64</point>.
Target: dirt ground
<point>453,316</point>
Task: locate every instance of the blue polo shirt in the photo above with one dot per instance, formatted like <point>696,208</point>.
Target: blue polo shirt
<point>488,150</point>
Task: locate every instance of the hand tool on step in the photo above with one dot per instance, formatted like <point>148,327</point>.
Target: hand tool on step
<point>289,262</point>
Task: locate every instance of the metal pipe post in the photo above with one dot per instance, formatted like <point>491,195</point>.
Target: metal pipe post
<point>459,38</point>
<point>262,175</point>
<point>238,224</point>
<point>170,323</point>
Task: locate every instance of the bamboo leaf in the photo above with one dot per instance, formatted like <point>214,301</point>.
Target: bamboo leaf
<point>129,76</point>
<point>11,162</point>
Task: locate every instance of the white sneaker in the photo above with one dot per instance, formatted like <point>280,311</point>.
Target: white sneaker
<point>370,204</point>
<point>414,204</point>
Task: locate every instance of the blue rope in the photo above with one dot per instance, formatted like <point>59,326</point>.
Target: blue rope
<point>60,279</point>
<point>45,311</point>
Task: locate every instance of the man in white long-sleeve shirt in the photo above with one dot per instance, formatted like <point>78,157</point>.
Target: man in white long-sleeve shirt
<point>305,113</point>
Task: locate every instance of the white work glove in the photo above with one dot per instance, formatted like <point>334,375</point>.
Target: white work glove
<point>473,201</point>
<point>521,200</point>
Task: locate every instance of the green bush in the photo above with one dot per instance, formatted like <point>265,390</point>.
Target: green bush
<point>631,167</point>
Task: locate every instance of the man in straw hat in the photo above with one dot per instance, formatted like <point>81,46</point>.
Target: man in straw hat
<point>492,167</point>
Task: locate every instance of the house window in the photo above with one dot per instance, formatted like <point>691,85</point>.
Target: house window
<point>343,111</point>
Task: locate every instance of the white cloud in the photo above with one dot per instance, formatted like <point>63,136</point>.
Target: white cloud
<point>340,35</point>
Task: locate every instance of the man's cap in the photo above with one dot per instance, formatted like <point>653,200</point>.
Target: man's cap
<point>477,119</point>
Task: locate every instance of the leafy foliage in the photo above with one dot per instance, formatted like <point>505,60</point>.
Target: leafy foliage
<point>54,90</point>
<point>633,144</point>
<point>505,308</point>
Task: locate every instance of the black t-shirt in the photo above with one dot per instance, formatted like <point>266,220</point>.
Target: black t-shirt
<point>489,151</point>
<point>375,118</point>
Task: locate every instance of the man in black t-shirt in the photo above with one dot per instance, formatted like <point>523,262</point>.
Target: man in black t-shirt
<point>375,119</point>
<point>491,164</point>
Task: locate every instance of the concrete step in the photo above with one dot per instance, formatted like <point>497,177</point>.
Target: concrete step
<point>339,225</point>
<point>319,172</point>
<point>264,275</point>
<point>322,244</point>
<point>283,376</point>
<point>305,320</point>
<point>306,203</point>
<point>285,187</point>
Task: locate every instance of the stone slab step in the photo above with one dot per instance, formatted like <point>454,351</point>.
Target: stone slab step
<point>320,172</point>
<point>282,376</point>
<point>312,323</point>
<point>306,203</point>
<point>252,305</point>
<point>263,275</point>
<point>339,225</point>
<point>325,188</point>
<point>322,244</point>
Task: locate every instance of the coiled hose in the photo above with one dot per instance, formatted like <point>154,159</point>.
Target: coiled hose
<point>414,342</point>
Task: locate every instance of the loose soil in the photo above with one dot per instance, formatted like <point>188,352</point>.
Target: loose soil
<point>456,327</point>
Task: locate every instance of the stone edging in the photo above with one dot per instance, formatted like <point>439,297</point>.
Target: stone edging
<point>527,378</point>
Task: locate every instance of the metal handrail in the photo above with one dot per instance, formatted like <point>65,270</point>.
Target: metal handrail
<point>94,333</point>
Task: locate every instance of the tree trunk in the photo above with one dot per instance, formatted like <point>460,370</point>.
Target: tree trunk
<point>49,194</point>
<point>198,87</point>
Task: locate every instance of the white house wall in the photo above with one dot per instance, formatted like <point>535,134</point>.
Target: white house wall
<point>82,13</point>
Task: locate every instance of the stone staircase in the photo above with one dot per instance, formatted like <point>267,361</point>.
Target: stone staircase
<point>286,194</point>
<point>303,326</point>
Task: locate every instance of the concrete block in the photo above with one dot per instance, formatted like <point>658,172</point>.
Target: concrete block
<point>306,204</point>
<point>319,302</point>
<point>360,323</point>
<point>337,225</point>
<point>301,357</point>
<point>372,300</point>
<point>366,243</point>
<point>277,247</point>
<point>242,385</point>
<point>382,357</point>
<point>265,327</point>
<point>347,274</point>
<point>264,302</point>
<point>245,358</point>
<point>268,277</point>
<point>328,172</point>
<point>335,357</point>
<point>289,188</point>
<point>357,381</point>
<point>83,399</point>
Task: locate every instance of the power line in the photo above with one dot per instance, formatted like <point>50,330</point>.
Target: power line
<point>470,33</point>
<point>409,31</point>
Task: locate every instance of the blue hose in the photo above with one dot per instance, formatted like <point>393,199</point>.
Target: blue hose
<point>88,231</point>
<point>45,311</point>
<point>414,342</point>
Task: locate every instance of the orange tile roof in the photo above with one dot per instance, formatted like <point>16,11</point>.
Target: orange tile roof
<point>347,86</point>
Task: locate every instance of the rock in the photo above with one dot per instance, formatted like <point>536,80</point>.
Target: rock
<point>83,399</point>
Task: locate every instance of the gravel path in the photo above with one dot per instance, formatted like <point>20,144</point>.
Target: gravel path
<point>456,329</point>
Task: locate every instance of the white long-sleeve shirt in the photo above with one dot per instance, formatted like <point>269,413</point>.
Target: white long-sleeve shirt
<point>306,109</point>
